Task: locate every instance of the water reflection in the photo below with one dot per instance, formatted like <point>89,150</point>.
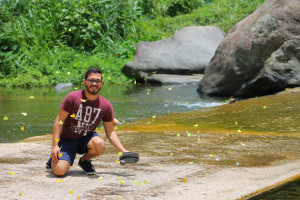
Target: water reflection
<point>129,104</point>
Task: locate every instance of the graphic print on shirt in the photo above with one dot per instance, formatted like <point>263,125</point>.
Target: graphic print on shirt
<point>84,123</point>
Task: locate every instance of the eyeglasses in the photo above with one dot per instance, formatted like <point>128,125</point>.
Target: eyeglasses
<point>91,81</point>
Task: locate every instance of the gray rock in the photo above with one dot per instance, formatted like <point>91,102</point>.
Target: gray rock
<point>280,71</point>
<point>172,78</point>
<point>242,54</point>
<point>185,53</point>
<point>63,87</point>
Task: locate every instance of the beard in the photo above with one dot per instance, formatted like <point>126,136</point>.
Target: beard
<point>93,89</point>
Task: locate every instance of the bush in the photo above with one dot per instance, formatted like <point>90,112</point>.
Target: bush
<point>163,8</point>
<point>221,13</point>
<point>49,36</point>
<point>43,43</point>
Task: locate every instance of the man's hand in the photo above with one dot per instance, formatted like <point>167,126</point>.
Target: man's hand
<point>55,153</point>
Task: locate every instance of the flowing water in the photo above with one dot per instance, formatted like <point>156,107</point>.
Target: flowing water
<point>42,104</point>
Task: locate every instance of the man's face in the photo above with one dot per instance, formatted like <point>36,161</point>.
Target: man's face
<point>93,83</point>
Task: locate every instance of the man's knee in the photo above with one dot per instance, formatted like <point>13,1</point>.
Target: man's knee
<point>60,168</point>
<point>97,144</point>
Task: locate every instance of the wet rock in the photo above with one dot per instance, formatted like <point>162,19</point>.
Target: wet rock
<point>63,87</point>
<point>172,78</point>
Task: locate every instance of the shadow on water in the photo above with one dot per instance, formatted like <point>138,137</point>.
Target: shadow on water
<point>129,104</point>
<point>290,191</point>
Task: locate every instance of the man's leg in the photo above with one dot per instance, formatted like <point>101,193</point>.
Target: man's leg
<point>60,168</point>
<point>68,148</point>
<point>92,146</point>
<point>96,147</point>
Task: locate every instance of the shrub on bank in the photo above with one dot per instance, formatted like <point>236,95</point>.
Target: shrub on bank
<point>43,43</point>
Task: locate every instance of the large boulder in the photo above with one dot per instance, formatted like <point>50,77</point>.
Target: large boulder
<point>280,71</point>
<point>258,54</point>
<point>187,52</point>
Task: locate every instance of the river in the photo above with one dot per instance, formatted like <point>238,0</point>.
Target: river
<point>35,109</point>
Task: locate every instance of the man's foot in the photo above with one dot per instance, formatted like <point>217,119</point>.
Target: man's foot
<point>87,166</point>
<point>48,165</point>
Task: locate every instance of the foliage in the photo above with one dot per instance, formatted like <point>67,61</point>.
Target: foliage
<point>41,41</point>
<point>221,13</point>
<point>65,65</point>
<point>163,8</point>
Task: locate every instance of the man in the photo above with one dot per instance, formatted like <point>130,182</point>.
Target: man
<point>74,127</point>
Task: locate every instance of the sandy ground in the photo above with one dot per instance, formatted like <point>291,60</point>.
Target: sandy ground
<point>154,177</point>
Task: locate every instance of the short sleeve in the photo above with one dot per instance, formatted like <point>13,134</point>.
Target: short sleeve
<point>108,116</point>
<point>66,105</point>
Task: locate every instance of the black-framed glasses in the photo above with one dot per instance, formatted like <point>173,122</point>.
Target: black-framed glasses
<point>91,81</point>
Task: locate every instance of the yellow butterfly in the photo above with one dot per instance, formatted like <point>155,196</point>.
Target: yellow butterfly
<point>73,115</point>
<point>22,128</point>
<point>184,180</point>
<point>83,100</point>
<point>57,140</point>
<point>61,154</point>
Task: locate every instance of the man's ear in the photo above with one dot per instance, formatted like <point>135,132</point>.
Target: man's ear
<point>83,82</point>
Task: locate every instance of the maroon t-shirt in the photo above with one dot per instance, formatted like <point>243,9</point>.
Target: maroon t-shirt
<point>84,115</point>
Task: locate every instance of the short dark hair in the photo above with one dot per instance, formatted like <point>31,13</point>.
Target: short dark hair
<point>92,70</point>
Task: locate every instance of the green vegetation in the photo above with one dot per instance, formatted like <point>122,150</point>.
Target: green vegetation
<point>43,43</point>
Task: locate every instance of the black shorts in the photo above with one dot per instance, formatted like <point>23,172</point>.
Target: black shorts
<point>69,147</point>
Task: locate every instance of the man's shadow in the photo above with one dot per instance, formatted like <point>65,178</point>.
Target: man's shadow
<point>80,173</point>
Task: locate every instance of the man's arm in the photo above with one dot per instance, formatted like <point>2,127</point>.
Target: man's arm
<point>113,137</point>
<point>57,128</point>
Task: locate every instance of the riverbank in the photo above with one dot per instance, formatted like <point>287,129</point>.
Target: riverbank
<point>178,158</point>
